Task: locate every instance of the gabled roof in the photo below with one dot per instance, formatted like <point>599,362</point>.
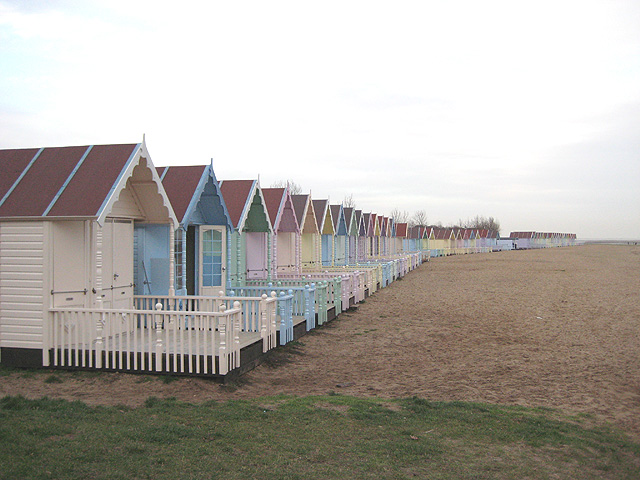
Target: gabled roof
<point>194,192</point>
<point>362,232</point>
<point>375,225</point>
<point>521,235</point>
<point>350,220</point>
<point>79,182</point>
<point>245,202</point>
<point>323,217</point>
<point>368,224</point>
<point>339,224</point>
<point>401,230</point>
<point>414,232</point>
<point>383,226</point>
<point>281,210</point>
<point>300,207</point>
<point>305,213</point>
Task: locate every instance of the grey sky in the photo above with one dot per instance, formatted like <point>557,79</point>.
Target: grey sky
<point>525,111</point>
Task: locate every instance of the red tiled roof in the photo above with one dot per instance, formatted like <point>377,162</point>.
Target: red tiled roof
<point>335,215</point>
<point>319,207</point>
<point>299,202</point>
<point>273,199</point>
<point>12,164</point>
<point>235,194</point>
<point>181,183</point>
<point>348,213</point>
<point>64,181</point>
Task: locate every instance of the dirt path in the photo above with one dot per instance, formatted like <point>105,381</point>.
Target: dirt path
<point>556,328</point>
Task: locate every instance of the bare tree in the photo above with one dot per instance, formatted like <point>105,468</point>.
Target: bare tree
<point>419,218</point>
<point>294,188</point>
<point>349,201</point>
<point>482,222</point>
<point>399,216</point>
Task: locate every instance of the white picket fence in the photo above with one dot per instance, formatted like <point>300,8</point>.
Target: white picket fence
<point>186,335</point>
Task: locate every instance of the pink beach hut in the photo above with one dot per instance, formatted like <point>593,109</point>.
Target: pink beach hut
<point>285,246</point>
<point>250,242</point>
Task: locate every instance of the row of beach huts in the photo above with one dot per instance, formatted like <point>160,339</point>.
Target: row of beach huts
<point>107,262</point>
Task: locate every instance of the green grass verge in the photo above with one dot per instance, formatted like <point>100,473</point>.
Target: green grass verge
<point>330,436</point>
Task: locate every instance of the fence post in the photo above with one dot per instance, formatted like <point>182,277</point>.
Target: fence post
<point>222,356</point>
<point>159,345</point>
<point>236,334</point>
<point>283,329</point>
<point>99,339</point>
<point>310,310</point>
<point>264,331</point>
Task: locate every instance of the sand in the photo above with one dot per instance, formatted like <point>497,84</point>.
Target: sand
<point>555,328</point>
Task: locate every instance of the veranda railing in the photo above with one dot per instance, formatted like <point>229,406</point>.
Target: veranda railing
<point>259,312</point>
<point>152,340</point>
<point>291,302</point>
<point>325,292</point>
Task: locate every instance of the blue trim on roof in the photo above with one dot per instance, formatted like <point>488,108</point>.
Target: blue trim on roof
<point>69,178</point>
<point>166,170</point>
<point>24,172</point>
<point>218,189</point>
<point>195,197</point>
<point>117,182</point>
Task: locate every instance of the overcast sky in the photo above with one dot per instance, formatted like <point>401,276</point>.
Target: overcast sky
<point>525,111</point>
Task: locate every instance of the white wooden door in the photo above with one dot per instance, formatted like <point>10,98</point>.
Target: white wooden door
<point>256,254</point>
<point>117,271</point>
<point>70,286</point>
<point>212,259</point>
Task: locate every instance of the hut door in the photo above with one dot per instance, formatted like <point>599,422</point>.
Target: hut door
<point>117,272</point>
<point>69,246</point>
<point>212,259</point>
<point>256,255</point>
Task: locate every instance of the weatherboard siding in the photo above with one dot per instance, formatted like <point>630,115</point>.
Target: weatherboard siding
<point>22,284</point>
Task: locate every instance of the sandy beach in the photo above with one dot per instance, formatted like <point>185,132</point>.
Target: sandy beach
<point>555,328</point>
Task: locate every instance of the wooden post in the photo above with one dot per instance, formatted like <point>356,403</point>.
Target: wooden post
<point>264,331</point>
<point>172,260</point>
<point>98,293</point>
<point>184,261</point>
<point>239,279</point>
<point>159,345</point>
<point>271,246</point>
<point>227,263</point>
<point>236,334</point>
<point>222,351</point>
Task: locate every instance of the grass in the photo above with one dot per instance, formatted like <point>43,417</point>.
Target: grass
<point>331,436</point>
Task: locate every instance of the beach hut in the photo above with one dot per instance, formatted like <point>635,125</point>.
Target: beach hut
<point>375,235</point>
<point>402,236</point>
<point>202,239</point>
<point>67,220</point>
<point>285,246</point>
<point>362,236</point>
<point>351,221</point>
<point>384,236</point>
<point>368,233</point>
<point>250,245</point>
<point>392,236</point>
<point>310,248</point>
<point>522,240</point>
<point>340,237</point>
<point>428,241</point>
<point>415,242</point>
<point>327,230</point>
